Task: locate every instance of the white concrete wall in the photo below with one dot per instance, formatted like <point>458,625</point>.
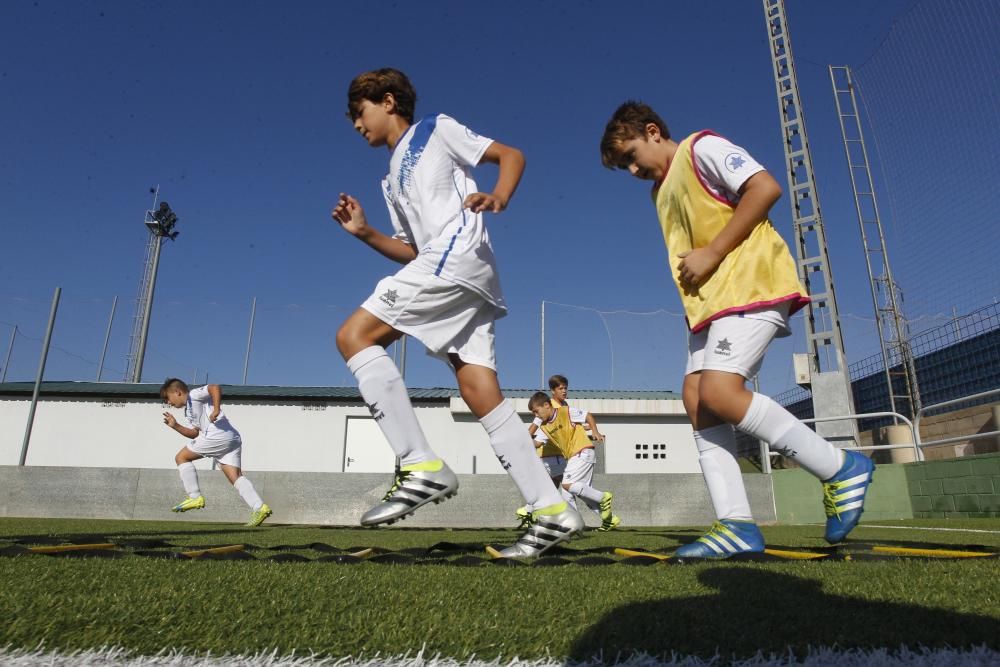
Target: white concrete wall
<point>297,436</point>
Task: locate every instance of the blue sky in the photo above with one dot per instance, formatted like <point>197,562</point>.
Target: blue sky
<point>236,111</point>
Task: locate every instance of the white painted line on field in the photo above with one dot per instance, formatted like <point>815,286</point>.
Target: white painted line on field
<point>979,656</point>
<point>942,530</point>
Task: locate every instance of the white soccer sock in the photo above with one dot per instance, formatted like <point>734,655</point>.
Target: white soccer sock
<point>513,446</point>
<point>590,496</point>
<point>244,487</point>
<point>586,492</point>
<point>568,497</point>
<point>716,455</point>
<point>768,421</point>
<point>385,394</point>
<point>189,478</point>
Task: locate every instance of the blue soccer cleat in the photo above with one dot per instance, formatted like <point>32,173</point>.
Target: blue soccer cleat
<point>726,538</point>
<point>844,495</point>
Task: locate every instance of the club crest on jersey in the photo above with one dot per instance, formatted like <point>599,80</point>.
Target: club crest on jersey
<point>735,162</point>
<point>389,298</point>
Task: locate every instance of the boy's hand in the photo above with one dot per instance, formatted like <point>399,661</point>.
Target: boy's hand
<point>599,437</point>
<point>169,420</point>
<point>215,415</point>
<point>479,202</point>
<point>350,215</point>
<point>697,265</point>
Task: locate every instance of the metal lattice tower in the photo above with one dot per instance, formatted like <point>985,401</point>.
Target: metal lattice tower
<point>904,395</point>
<point>159,231</point>
<point>829,380</point>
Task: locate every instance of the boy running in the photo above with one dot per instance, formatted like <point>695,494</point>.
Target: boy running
<point>738,284</point>
<point>211,435</point>
<point>447,296</point>
<point>563,427</point>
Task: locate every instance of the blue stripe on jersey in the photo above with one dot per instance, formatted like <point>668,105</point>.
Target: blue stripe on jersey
<point>451,244</point>
<point>422,132</point>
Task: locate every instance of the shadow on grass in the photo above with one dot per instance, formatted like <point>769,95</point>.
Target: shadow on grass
<point>756,610</point>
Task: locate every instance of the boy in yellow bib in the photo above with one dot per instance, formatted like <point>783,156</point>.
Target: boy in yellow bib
<point>738,284</point>
<point>562,426</point>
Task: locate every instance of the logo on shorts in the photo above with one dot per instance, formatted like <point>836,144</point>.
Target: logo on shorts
<point>724,348</point>
<point>389,298</point>
<point>376,413</point>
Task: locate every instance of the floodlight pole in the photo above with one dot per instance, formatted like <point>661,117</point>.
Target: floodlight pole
<point>140,354</point>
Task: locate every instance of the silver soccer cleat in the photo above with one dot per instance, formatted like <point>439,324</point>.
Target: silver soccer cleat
<point>547,531</point>
<point>410,490</point>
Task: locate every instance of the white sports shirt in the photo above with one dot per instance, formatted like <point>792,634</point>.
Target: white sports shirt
<point>430,175</point>
<point>199,408</point>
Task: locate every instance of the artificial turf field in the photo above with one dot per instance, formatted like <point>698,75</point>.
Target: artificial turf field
<point>298,589</point>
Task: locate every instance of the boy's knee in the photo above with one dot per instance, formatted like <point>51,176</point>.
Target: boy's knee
<point>346,340</point>
<point>721,394</point>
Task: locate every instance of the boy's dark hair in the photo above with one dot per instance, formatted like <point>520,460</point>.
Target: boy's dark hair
<point>374,85</point>
<point>170,384</point>
<point>538,398</point>
<point>628,122</point>
<point>557,380</point>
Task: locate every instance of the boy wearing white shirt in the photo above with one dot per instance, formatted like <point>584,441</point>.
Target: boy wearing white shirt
<point>213,436</point>
<point>447,295</point>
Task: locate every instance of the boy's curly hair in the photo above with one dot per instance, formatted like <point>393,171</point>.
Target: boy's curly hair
<point>629,121</point>
<point>374,85</point>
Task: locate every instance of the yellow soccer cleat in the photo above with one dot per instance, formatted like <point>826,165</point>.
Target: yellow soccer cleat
<point>258,515</point>
<point>610,524</point>
<point>606,512</point>
<point>189,504</point>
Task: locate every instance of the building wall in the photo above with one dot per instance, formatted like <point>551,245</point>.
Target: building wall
<point>312,436</point>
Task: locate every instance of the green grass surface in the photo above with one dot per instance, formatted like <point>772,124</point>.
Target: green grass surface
<point>148,604</point>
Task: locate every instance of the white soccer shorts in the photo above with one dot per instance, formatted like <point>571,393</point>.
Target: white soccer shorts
<point>445,317</point>
<point>580,467</point>
<point>228,452</point>
<point>732,344</point>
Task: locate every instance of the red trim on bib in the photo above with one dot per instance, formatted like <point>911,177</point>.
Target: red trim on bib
<point>799,301</point>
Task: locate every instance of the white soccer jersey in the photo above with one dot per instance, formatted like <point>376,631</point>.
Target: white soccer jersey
<point>723,166</point>
<point>199,408</point>
<point>430,175</point>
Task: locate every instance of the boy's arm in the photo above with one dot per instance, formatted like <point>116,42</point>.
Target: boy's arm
<point>215,391</point>
<point>757,196</point>
<point>187,432</point>
<point>351,216</point>
<point>511,162</point>
<point>592,423</point>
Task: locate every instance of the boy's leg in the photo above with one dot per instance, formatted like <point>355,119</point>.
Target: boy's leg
<point>189,478</point>
<point>555,521</point>
<point>259,510</point>
<point>578,477</point>
<point>508,435</point>
<point>722,391</point>
<point>716,442</point>
<point>734,530</point>
<point>362,340</point>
